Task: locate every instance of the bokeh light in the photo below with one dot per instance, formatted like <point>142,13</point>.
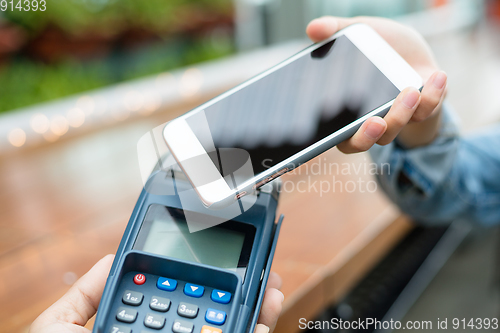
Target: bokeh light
<point>50,137</point>
<point>191,82</point>
<point>17,137</point>
<point>152,103</point>
<point>76,117</point>
<point>133,101</point>
<point>86,104</point>
<point>59,125</point>
<point>120,114</point>
<point>40,123</point>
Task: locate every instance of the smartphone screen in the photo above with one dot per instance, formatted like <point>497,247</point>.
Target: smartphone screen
<point>295,106</point>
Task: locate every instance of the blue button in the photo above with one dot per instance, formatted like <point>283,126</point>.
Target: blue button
<point>166,284</point>
<point>193,290</point>
<point>220,296</point>
<point>215,317</point>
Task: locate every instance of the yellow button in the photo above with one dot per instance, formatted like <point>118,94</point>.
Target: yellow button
<point>210,329</point>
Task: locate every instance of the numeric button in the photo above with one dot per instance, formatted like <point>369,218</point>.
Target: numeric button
<point>181,326</point>
<point>126,315</point>
<point>187,310</point>
<point>154,321</point>
<point>120,329</point>
<point>159,304</point>
<point>132,298</point>
<point>210,329</point>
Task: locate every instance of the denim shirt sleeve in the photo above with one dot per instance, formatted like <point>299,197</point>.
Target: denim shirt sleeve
<point>452,178</point>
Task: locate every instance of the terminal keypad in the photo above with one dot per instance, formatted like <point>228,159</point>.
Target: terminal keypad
<point>171,306</point>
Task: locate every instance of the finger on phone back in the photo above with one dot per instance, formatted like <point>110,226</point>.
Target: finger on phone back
<point>400,114</point>
<point>367,135</point>
<point>271,308</point>
<point>274,281</point>
<point>432,94</point>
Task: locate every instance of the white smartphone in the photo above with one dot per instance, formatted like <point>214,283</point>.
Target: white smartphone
<point>235,143</point>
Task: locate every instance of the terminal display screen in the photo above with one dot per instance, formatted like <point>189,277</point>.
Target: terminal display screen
<point>164,231</point>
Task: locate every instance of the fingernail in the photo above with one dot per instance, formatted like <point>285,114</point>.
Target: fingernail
<point>282,296</point>
<point>261,328</point>
<point>410,99</point>
<point>439,80</point>
<point>375,128</point>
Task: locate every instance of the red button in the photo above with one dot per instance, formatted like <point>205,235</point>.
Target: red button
<point>139,279</point>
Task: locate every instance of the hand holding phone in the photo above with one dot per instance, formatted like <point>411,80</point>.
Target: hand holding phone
<point>414,126</point>
<point>283,117</point>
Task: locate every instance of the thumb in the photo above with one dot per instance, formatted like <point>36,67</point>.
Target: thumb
<point>80,303</point>
<point>261,328</point>
<point>323,27</point>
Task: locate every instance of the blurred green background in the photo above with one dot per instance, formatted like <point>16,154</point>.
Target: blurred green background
<point>78,45</point>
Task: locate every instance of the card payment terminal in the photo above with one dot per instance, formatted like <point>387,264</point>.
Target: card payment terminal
<point>167,279</point>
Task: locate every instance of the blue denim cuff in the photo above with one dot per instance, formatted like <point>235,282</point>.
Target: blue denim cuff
<point>426,167</point>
